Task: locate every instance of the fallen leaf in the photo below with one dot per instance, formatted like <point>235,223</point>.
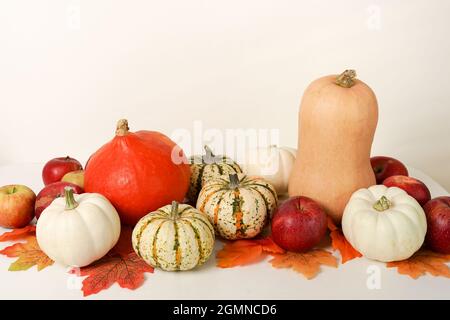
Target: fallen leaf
<point>18,234</point>
<point>125,270</point>
<point>423,262</point>
<point>338,242</point>
<point>121,265</point>
<point>29,254</point>
<point>245,252</point>
<point>307,263</point>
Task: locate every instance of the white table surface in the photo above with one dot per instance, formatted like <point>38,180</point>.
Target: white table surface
<point>258,281</point>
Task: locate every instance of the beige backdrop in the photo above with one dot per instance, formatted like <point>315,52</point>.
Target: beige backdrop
<point>70,69</point>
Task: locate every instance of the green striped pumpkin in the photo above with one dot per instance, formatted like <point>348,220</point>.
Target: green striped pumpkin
<point>207,167</point>
<point>175,237</point>
<point>237,205</point>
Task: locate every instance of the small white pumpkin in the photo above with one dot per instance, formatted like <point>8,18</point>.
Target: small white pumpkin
<point>207,167</point>
<point>175,237</point>
<point>384,224</point>
<point>77,230</point>
<point>273,164</point>
<point>237,205</point>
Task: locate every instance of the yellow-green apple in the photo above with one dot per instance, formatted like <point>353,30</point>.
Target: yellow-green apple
<point>55,169</point>
<point>75,177</point>
<point>16,206</point>
<point>415,188</point>
<point>299,224</point>
<point>438,224</point>
<point>385,167</point>
<point>55,190</point>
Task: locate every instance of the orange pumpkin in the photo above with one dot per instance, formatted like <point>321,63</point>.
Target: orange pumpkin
<point>137,173</point>
<point>337,122</point>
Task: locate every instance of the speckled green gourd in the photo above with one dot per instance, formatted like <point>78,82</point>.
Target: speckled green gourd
<point>207,167</point>
<point>237,205</point>
<point>176,237</point>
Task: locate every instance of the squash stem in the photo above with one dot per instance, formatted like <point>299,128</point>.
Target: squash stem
<point>209,157</point>
<point>70,199</point>
<point>174,210</point>
<point>234,181</point>
<point>346,79</point>
<point>122,127</point>
<point>383,204</point>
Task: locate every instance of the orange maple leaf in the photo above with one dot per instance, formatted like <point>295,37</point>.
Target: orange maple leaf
<point>127,270</point>
<point>307,263</point>
<point>338,242</point>
<point>121,265</point>
<point>29,254</point>
<point>423,262</point>
<point>18,234</point>
<point>245,252</point>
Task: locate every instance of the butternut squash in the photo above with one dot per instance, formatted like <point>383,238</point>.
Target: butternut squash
<point>337,122</point>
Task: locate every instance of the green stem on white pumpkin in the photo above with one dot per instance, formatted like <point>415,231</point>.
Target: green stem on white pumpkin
<point>70,199</point>
<point>174,210</point>
<point>346,79</point>
<point>383,204</point>
<point>234,181</point>
<point>122,127</point>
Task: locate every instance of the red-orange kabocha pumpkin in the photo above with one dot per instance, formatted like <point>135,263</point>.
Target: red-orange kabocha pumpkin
<point>137,173</point>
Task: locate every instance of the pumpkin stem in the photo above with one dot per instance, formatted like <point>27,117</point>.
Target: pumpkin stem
<point>383,204</point>
<point>70,199</point>
<point>346,79</point>
<point>209,157</point>
<point>234,181</point>
<point>174,210</point>
<point>122,127</point>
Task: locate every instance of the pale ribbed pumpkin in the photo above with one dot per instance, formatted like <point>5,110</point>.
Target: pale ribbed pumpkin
<point>237,205</point>
<point>174,238</point>
<point>207,167</point>
<point>337,122</point>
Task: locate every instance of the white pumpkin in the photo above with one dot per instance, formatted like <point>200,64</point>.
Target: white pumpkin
<point>384,224</point>
<point>175,237</point>
<point>273,164</point>
<point>237,205</point>
<point>77,230</point>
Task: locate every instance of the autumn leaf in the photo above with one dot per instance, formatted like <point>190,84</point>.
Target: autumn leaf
<point>125,270</point>
<point>121,265</point>
<point>245,252</point>
<point>29,254</point>
<point>18,234</point>
<point>423,262</point>
<point>338,242</point>
<point>307,263</point>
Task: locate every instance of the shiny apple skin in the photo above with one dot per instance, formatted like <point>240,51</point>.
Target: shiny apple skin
<point>16,206</point>
<point>55,190</point>
<point>385,167</point>
<point>438,222</point>
<point>299,224</point>
<point>55,169</point>
<point>415,188</point>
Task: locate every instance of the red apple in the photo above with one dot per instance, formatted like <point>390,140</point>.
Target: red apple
<point>299,224</point>
<point>55,169</point>
<point>438,224</point>
<point>385,167</point>
<point>55,190</point>
<point>16,206</point>
<point>415,188</point>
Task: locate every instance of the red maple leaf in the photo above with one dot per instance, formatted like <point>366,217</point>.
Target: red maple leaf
<point>121,265</point>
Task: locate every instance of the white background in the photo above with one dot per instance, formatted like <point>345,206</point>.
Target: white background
<point>70,69</point>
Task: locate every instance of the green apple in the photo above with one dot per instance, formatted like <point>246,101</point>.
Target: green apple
<point>16,206</point>
<point>75,177</point>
